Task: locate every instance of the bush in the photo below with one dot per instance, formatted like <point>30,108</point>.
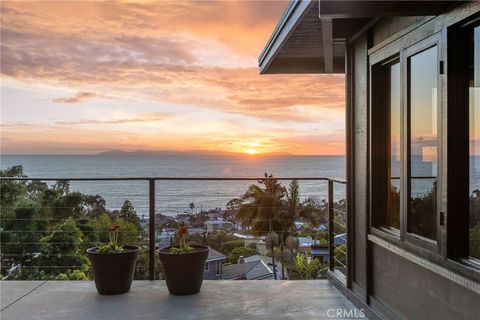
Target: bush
<point>305,268</point>
<point>228,246</point>
<point>240,251</point>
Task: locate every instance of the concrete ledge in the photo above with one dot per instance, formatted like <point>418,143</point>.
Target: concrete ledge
<point>74,300</point>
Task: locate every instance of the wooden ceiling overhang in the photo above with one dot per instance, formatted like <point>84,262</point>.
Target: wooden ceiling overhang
<point>311,35</point>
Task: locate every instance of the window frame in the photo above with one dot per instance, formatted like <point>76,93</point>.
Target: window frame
<point>458,230</point>
<point>413,242</point>
<point>450,237</point>
<point>377,104</point>
<point>409,237</point>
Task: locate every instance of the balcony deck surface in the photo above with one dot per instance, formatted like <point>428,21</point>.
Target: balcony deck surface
<point>74,300</point>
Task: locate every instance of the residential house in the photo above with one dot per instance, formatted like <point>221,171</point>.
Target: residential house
<point>253,270</point>
<point>412,81</point>
<point>305,243</point>
<point>259,242</point>
<point>214,225</point>
<point>267,261</point>
<point>214,265</point>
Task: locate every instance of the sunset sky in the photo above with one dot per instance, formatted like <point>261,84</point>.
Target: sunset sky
<point>81,78</point>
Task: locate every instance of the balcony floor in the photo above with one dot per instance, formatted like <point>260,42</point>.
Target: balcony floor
<point>254,299</point>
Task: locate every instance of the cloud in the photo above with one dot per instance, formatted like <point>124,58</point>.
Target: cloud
<point>154,117</point>
<point>167,53</point>
<point>183,53</point>
<point>78,97</point>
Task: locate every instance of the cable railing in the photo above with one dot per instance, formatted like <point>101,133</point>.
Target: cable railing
<point>31,243</point>
<point>337,230</point>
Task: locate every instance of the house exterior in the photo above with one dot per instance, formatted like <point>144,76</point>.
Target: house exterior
<point>320,252</point>
<point>214,265</point>
<point>213,225</point>
<point>267,261</point>
<point>305,243</point>
<point>251,240</point>
<point>253,270</point>
<point>163,238</point>
<point>412,81</point>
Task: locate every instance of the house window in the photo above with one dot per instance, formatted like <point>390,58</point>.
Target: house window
<point>219,267</point>
<point>386,130</point>
<point>404,142</point>
<point>463,227</point>
<point>422,143</point>
<point>206,266</point>
<point>393,209</point>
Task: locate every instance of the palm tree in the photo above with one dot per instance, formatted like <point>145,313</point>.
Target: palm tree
<point>261,206</point>
<point>270,209</point>
<point>308,211</point>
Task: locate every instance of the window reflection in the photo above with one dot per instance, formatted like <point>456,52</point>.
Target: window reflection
<point>393,217</point>
<point>423,143</point>
<point>474,99</point>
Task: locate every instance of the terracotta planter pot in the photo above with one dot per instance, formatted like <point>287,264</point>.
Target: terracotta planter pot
<point>113,272</point>
<point>184,271</point>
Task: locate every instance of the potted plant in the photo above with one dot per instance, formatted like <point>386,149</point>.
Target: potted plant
<point>183,265</point>
<point>113,265</point>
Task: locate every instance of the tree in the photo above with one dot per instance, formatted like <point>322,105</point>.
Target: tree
<point>68,205</point>
<point>216,239</point>
<point>20,238</point>
<point>129,214</point>
<point>260,206</point>
<point>11,191</point>
<point>232,208</point>
<point>191,206</point>
<point>128,232</point>
<point>271,209</point>
<point>305,267</point>
<point>475,241</point>
<point>240,251</point>
<point>61,249</point>
<point>45,230</point>
<point>95,205</point>
<point>229,246</point>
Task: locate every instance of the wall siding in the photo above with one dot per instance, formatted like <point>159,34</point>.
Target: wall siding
<point>413,292</point>
<point>360,98</point>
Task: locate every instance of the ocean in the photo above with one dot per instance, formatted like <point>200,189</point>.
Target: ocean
<point>173,197</point>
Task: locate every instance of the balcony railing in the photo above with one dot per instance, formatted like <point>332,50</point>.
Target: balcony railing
<point>332,201</point>
<point>337,231</point>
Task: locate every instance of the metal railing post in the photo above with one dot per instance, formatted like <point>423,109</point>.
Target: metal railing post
<point>151,230</point>
<point>331,244</point>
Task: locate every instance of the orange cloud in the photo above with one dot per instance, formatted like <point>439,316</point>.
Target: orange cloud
<point>197,53</point>
<point>79,97</point>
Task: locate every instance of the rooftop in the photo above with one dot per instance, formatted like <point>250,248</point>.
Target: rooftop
<point>150,300</point>
<point>215,255</point>
<point>253,270</point>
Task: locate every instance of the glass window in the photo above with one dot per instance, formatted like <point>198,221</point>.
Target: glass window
<point>206,266</point>
<point>219,267</point>
<point>474,102</point>
<point>393,210</point>
<point>422,98</point>
<point>386,123</point>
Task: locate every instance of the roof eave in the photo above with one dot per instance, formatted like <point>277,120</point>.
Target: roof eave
<point>289,20</point>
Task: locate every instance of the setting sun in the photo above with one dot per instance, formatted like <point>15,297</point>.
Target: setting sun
<point>251,151</point>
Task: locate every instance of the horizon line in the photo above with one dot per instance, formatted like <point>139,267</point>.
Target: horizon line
<point>272,154</point>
